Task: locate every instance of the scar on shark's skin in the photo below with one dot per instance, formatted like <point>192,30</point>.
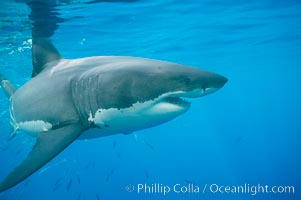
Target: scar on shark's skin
<point>65,98</point>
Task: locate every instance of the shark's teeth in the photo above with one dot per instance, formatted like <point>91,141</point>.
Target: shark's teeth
<point>176,100</point>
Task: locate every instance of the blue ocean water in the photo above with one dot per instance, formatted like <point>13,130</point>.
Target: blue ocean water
<point>246,133</point>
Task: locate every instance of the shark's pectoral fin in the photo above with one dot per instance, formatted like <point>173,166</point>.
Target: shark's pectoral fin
<point>48,145</point>
<point>8,88</point>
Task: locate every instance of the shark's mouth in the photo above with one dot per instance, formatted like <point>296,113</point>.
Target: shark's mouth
<point>179,98</point>
<point>177,101</point>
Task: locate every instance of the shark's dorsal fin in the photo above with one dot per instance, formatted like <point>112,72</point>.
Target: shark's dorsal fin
<point>48,145</point>
<point>43,52</point>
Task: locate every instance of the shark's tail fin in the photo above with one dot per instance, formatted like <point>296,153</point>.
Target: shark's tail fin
<point>8,88</point>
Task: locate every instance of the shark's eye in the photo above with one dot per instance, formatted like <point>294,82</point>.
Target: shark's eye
<point>186,80</point>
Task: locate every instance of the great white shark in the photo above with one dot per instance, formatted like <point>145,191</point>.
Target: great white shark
<point>116,94</point>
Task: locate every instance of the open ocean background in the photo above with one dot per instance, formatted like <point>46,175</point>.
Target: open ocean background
<point>246,133</point>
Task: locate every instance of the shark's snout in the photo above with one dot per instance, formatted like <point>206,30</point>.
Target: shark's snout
<point>206,82</point>
<point>223,80</point>
<point>213,79</point>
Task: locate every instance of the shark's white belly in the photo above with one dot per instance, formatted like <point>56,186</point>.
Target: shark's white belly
<point>116,121</point>
<point>139,116</point>
<point>34,127</point>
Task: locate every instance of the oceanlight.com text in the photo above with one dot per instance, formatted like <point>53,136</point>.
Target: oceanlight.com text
<point>165,189</point>
<point>251,189</point>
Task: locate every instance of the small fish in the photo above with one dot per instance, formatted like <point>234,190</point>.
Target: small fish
<point>188,181</point>
<point>149,145</point>
<point>110,175</point>
<point>43,169</point>
<point>238,139</point>
<point>146,173</point>
<point>114,144</point>
<point>58,183</point>
<point>145,142</point>
<point>26,183</point>
<point>135,137</point>
<point>2,148</point>
<point>79,196</point>
<point>97,197</point>
<point>61,162</point>
<point>93,165</point>
<point>12,136</point>
<point>119,155</point>
<point>59,180</point>
<point>90,165</point>
<point>69,185</point>
<point>56,187</point>
<point>3,113</point>
<point>78,179</point>
<point>19,151</point>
